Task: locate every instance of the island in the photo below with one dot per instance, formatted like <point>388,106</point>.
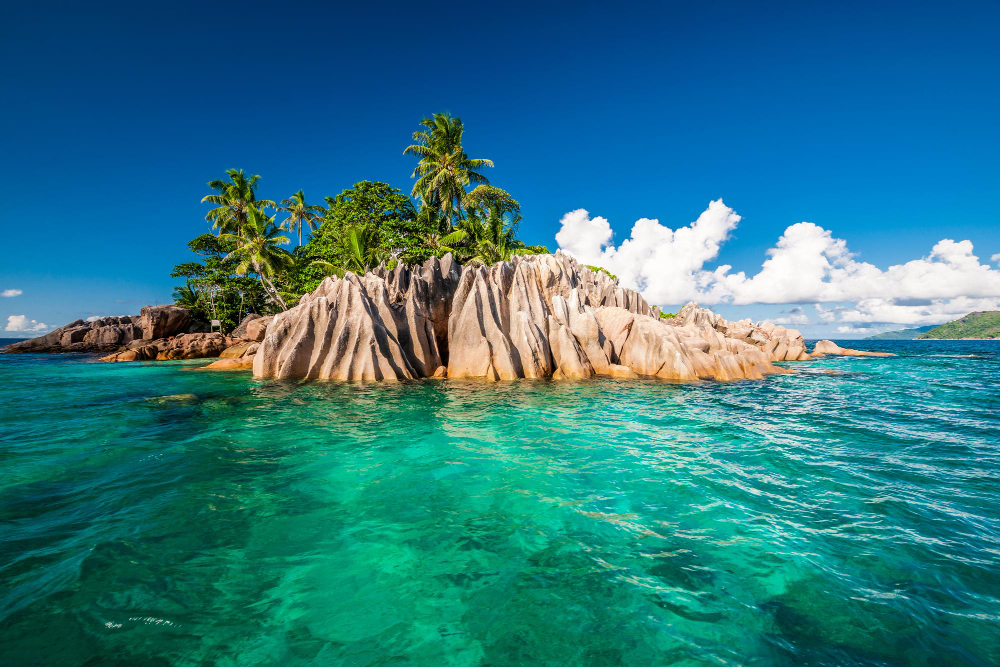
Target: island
<point>535,316</point>
<point>432,285</point>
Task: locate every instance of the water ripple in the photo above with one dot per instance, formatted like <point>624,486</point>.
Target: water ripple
<point>158,516</point>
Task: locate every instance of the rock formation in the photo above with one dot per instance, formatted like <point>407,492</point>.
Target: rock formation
<point>538,316</point>
<point>237,357</point>
<point>184,346</point>
<point>101,335</point>
<point>825,347</point>
<point>163,321</point>
<point>533,317</point>
<point>110,333</point>
<point>252,327</point>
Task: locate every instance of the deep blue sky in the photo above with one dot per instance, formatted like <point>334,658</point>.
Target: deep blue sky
<point>876,120</point>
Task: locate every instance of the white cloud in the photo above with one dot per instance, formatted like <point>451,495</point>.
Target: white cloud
<point>794,316</point>
<point>663,263</point>
<point>934,311</point>
<point>806,265</point>
<point>995,258</point>
<point>844,329</point>
<point>11,292</point>
<point>825,314</point>
<point>20,323</point>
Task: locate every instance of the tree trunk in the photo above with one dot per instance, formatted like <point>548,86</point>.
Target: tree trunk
<point>270,289</point>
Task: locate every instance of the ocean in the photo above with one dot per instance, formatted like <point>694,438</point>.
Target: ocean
<point>847,514</point>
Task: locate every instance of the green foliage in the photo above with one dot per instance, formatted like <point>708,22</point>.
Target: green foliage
<point>666,316</point>
<point>244,268</point>
<point>980,324</point>
<point>364,225</point>
<point>489,233</point>
<point>300,214</point>
<point>444,169</point>
<point>233,199</point>
<point>601,269</point>
<point>212,289</point>
<point>256,250</point>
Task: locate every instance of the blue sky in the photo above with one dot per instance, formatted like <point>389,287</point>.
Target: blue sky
<point>875,121</point>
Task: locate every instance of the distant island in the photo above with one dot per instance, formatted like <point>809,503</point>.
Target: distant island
<point>902,334</point>
<point>983,324</point>
<point>980,324</point>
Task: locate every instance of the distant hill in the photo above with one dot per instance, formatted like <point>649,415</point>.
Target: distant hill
<point>902,334</point>
<point>982,324</point>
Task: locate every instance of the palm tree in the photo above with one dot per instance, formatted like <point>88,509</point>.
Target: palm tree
<point>187,295</point>
<point>300,214</point>
<point>234,199</point>
<point>489,233</point>
<point>444,169</point>
<point>361,252</point>
<point>257,250</point>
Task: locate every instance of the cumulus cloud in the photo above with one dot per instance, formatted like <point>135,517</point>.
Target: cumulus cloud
<point>794,316</point>
<point>995,258</point>
<point>11,292</point>
<point>663,263</point>
<point>807,264</point>
<point>21,324</point>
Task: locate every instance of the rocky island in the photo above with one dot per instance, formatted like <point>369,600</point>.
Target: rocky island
<point>536,316</point>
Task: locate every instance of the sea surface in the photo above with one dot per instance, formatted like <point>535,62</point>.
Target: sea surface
<point>848,514</point>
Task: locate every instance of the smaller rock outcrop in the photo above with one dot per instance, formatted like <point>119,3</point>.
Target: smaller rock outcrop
<point>825,347</point>
<point>100,335</point>
<point>184,346</point>
<point>237,357</point>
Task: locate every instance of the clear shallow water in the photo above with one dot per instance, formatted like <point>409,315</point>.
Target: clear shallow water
<point>822,518</point>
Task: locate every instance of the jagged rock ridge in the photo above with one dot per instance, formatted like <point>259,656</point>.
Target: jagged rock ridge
<point>533,317</point>
<point>110,333</point>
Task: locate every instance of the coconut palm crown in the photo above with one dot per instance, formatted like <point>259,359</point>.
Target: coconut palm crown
<point>257,251</point>
<point>444,169</point>
<point>233,200</point>
<point>300,214</point>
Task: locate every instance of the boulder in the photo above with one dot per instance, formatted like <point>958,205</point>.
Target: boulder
<point>184,346</point>
<point>230,364</point>
<point>825,347</point>
<point>384,325</point>
<point>536,316</point>
<point>777,342</point>
<point>241,329</point>
<point>162,321</point>
<point>238,350</point>
<point>256,328</point>
<point>99,335</point>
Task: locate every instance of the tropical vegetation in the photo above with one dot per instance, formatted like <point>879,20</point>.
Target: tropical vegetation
<point>248,264</point>
<point>979,324</point>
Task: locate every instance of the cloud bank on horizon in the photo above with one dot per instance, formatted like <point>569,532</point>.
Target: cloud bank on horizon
<point>806,265</point>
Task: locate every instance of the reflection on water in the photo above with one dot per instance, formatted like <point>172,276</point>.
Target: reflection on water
<point>155,515</point>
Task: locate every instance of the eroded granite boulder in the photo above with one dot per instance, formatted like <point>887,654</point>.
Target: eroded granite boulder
<point>163,321</point>
<point>825,347</point>
<point>536,316</point>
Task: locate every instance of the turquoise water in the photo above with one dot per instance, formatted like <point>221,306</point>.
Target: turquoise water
<point>834,518</point>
